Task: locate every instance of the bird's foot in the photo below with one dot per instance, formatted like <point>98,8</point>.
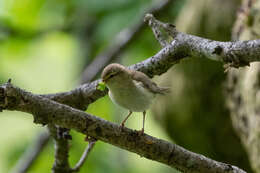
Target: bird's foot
<point>121,126</point>
<point>89,138</point>
<point>141,132</point>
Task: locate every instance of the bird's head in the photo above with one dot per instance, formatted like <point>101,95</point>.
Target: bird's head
<point>112,71</point>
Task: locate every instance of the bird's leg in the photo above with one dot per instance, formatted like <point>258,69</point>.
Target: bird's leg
<point>142,131</point>
<point>123,122</point>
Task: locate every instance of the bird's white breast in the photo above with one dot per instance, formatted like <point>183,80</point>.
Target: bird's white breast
<point>132,96</point>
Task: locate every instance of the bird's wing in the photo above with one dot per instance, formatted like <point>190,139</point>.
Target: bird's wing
<point>148,83</point>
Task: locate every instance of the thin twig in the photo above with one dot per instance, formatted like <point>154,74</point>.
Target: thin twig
<point>156,28</point>
<point>84,156</point>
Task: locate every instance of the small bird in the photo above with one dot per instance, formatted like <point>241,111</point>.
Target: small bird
<point>130,89</point>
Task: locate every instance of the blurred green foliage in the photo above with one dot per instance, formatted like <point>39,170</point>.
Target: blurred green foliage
<point>44,46</point>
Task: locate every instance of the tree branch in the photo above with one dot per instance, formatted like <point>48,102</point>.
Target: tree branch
<point>61,163</point>
<point>46,111</point>
<point>232,54</point>
<point>235,54</point>
<point>84,156</point>
<point>122,40</point>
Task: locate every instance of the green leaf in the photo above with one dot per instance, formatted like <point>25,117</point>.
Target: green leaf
<point>101,86</point>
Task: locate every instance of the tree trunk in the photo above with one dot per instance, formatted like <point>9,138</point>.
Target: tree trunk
<point>243,86</point>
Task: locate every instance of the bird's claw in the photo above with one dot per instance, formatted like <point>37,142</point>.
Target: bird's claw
<point>140,132</point>
<point>122,125</point>
<point>89,138</point>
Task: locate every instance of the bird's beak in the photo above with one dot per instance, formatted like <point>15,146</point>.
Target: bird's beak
<point>104,80</point>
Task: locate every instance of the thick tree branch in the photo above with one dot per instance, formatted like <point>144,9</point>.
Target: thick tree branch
<point>46,111</point>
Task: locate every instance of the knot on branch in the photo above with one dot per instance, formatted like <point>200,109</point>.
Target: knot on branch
<point>234,60</point>
<point>218,50</point>
<point>63,133</point>
<point>148,18</point>
<point>6,98</point>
